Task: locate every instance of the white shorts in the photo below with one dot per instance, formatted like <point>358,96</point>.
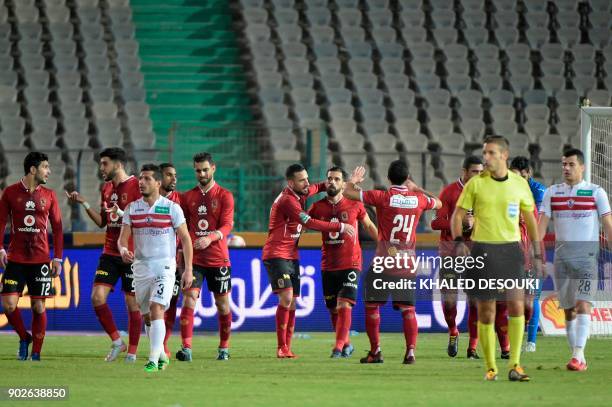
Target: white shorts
<point>154,282</point>
<point>575,280</point>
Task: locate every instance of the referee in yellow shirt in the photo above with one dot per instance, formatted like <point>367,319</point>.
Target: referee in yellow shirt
<point>497,197</point>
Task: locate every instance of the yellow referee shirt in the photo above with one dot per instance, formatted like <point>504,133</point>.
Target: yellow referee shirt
<point>497,206</point>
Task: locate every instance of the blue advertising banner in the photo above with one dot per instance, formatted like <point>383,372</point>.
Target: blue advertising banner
<point>252,301</point>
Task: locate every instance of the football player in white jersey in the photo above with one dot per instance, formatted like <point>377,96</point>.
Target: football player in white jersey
<point>577,209</point>
<point>154,222</point>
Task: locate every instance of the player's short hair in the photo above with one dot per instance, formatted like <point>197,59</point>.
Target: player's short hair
<point>163,166</point>
<point>33,159</point>
<point>574,151</point>
<point>115,154</point>
<point>337,168</point>
<point>156,170</point>
<point>471,160</point>
<point>293,169</point>
<point>501,141</point>
<point>203,156</point>
<point>398,172</point>
<point>520,163</point>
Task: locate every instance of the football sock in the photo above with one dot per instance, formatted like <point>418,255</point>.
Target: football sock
<point>583,325</point>
<point>486,334</point>
<point>570,329</point>
<point>373,327</point>
<point>516,330</point>
<point>14,318</point>
<point>225,329</point>
<point>158,331</point>
<point>532,329</point>
<point>105,316</point>
<point>134,330</point>
<point>450,316</point>
<point>343,327</point>
<point>186,326</point>
<point>411,329</point>
<point>473,326</point>
<point>39,325</point>
<point>282,318</point>
<point>169,318</point>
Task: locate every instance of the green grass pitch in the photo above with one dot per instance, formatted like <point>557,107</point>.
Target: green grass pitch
<point>254,376</point>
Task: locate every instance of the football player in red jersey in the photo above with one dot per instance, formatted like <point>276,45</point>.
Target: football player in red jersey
<point>209,210</point>
<point>398,211</point>
<point>280,252</point>
<point>341,256</point>
<point>118,191</point>
<point>30,206</point>
<point>471,166</point>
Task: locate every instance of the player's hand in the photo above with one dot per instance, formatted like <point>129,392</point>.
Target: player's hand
<point>3,258</point>
<point>187,279</point>
<point>468,222</point>
<point>56,268</point>
<point>113,209</point>
<point>349,229</point>
<point>74,197</point>
<point>127,256</point>
<point>358,175</point>
<point>202,243</point>
<point>411,185</point>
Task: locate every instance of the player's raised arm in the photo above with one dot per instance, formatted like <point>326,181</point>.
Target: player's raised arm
<point>294,211</point>
<point>442,219</point>
<point>414,187</point>
<point>96,217</point>
<point>352,190</point>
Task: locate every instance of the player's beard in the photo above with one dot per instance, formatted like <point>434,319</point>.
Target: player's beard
<point>169,187</point>
<point>332,192</point>
<point>40,179</point>
<point>110,175</point>
<point>204,182</point>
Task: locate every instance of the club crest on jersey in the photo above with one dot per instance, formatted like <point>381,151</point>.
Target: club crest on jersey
<point>29,220</point>
<point>114,197</point>
<point>344,216</point>
<point>214,204</point>
<point>570,203</point>
<point>124,197</point>
<point>43,202</point>
<point>203,224</point>
<point>149,220</point>
<point>404,202</point>
<point>30,205</point>
<point>202,210</point>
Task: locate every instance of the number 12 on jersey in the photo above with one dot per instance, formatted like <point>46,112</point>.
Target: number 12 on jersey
<point>402,224</point>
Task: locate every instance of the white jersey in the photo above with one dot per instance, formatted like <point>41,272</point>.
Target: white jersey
<point>153,228</point>
<point>575,212</point>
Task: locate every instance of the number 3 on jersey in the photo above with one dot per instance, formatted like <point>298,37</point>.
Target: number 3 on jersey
<point>402,224</point>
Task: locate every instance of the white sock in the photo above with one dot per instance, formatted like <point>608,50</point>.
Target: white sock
<point>147,329</point>
<point>156,335</point>
<point>570,329</point>
<point>583,325</point>
<point>117,342</point>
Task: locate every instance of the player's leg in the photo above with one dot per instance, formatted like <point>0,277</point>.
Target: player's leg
<point>585,276</point>
<point>170,314</point>
<point>530,294</point>
<point>107,275</point>
<point>160,293</point>
<point>40,287</point>
<point>134,315</point>
<point>411,330</point>
<point>373,299</point>
<point>190,299</point>
<point>501,328</point>
<point>39,326</point>
<point>516,331</point>
<point>472,325</point>
<point>279,274</point>
<point>330,294</point>
<point>532,327</point>
<point>486,334</point>
<point>296,284</point>
<point>347,286</point>
<point>13,282</point>
<point>449,308</point>
<point>224,316</point>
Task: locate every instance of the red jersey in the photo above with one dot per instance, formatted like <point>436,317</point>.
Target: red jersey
<point>442,222</point>
<point>207,212</point>
<point>30,213</point>
<point>174,196</point>
<point>287,218</point>
<point>398,211</point>
<point>339,252</point>
<point>122,194</point>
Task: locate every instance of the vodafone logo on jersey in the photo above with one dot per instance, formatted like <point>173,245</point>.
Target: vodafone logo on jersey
<point>334,235</point>
<point>203,224</point>
<point>113,217</point>
<point>29,220</point>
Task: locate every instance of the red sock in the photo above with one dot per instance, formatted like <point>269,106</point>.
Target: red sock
<point>501,325</point>
<point>373,327</point>
<point>450,316</point>
<point>343,327</point>
<point>39,326</point>
<point>334,318</point>
<point>528,314</point>
<point>14,318</point>
<point>134,330</point>
<point>169,318</point>
<point>282,319</point>
<point>411,329</point>
<point>473,326</point>
<point>290,328</point>
<point>105,316</point>
<point>225,329</point>
<point>186,326</point>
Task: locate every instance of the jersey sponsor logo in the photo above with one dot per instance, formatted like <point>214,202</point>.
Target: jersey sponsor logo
<point>344,216</point>
<point>113,217</point>
<point>101,273</point>
<point>162,209</point>
<point>223,270</point>
<point>585,192</point>
<point>44,270</point>
<point>9,282</point>
<point>334,235</point>
<point>114,197</point>
<point>30,205</point>
<point>298,231</point>
<point>352,276</point>
<point>202,210</point>
<point>404,202</point>
<point>29,220</point>
<point>203,224</point>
